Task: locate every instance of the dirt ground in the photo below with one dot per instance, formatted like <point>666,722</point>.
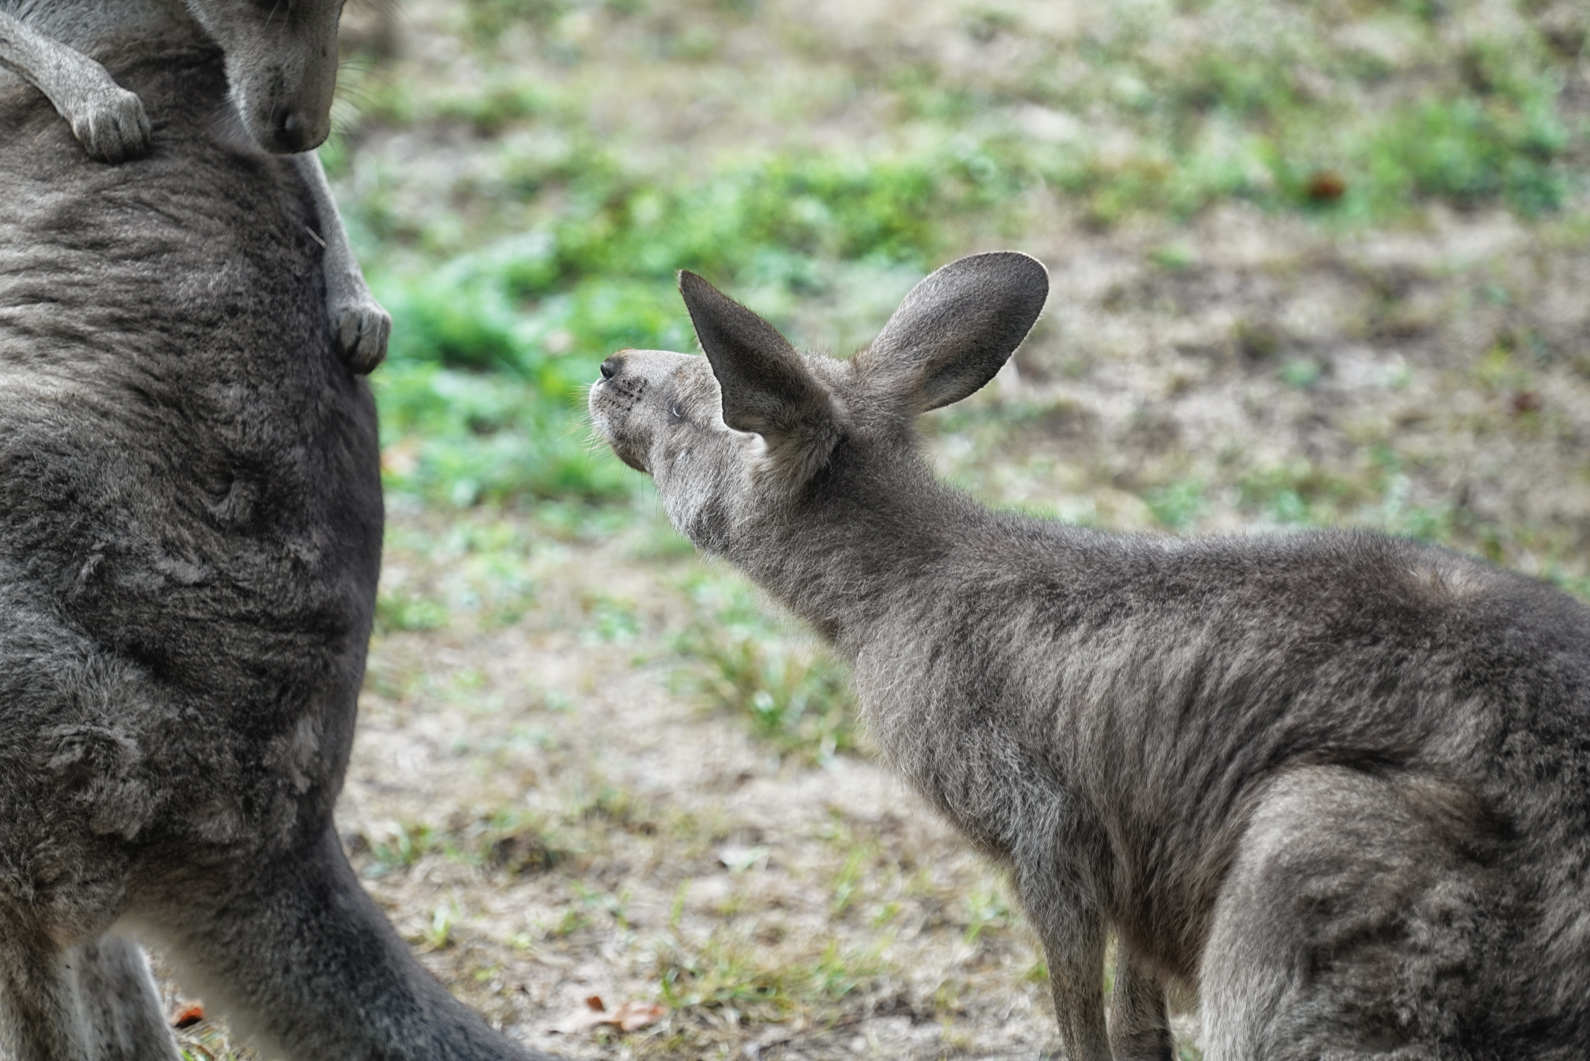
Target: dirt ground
<point>550,811</point>
<point>814,909</point>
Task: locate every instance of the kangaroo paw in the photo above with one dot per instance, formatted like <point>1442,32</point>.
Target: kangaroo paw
<point>111,124</point>
<point>363,328</point>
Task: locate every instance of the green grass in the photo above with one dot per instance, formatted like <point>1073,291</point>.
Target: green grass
<point>475,568</point>
<point>789,691</point>
<point>796,697</point>
<point>1178,505</point>
<point>508,840</point>
<point>482,398</point>
<point>402,610</point>
<point>728,973</point>
<point>401,849</point>
<point>508,294</point>
<point>1263,109</point>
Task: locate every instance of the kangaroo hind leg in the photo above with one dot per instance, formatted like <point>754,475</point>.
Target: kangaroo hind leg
<point>124,1017</point>
<point>295,953</point>
<point>1139,1026</point>
<point>92,1002</point>
<point>1352,925</point>
<point>39,1014</point>
<point>1056,876</point>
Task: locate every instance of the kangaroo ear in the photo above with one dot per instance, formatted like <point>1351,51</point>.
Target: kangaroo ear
<point>766,385</point>
<point>956,328</point>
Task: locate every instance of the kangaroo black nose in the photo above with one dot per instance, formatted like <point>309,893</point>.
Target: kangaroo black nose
<point>294,133</point>
<point>611,366</point>
<point>288,131</point>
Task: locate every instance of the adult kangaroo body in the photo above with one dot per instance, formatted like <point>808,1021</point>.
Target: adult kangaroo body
<point>190,535</point>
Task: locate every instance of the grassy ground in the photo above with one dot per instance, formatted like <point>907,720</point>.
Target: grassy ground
<point>1313,264</point>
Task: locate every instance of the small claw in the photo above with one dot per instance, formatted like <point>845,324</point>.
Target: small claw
<point>113,127</point>
<point>362,333</point>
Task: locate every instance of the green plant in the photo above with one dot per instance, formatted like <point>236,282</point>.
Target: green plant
<point>1300,372</point>
<point>440,933</point>
<point>986,909</point>
<point>1298,492</point>
<point>724,971</point>
<point>406,845</point>
<point>1177,505</point>
<point>1467,150</point>
<point>611,620</point>
<point>460,438</point>
<point>719,973</point>
<point>798,699</point>
<point>400,609</point>
<point>490,18</point>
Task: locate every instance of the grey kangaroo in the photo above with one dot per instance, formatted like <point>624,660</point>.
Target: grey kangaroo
<point>281,62</point>
<point>1337,782</point>
<point>190,535</point>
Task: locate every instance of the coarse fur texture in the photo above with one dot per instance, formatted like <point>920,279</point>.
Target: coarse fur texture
<point>190,537</point>
<point>1339,783</point>
<point>281,64</point>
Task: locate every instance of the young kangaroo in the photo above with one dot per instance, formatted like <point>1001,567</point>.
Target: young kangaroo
<point>1338,782</point>
<point>190,535</point>
<point>281,62</point>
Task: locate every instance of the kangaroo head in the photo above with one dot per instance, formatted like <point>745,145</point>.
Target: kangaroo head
<point>754,426</point>
<point>281,60</point>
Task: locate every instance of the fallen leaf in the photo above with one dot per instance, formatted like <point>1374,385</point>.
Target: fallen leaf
<point>583,1020</point>
<point>188,1015</point>
<point>1325,186</point>
<point>631,1016</point>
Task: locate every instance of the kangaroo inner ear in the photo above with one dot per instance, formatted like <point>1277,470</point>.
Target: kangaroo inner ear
<point>957,328</point>
<point>766,385</point>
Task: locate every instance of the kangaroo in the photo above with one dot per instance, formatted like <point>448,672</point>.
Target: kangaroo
<point>190,536</point>
<point>281,62</point>
<point>1339,783</point>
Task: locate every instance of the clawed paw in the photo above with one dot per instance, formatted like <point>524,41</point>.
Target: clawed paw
<point>112,125</point>
<point>362,328</point>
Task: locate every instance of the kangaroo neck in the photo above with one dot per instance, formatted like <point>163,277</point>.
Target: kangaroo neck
<point>852,545</point>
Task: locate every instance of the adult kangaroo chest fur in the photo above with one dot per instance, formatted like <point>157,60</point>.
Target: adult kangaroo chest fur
<point>190,535</point>
<point>1337,782</point>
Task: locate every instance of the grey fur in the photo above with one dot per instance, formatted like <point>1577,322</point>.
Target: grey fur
<point>281,62</point>
<point>190,536</point>
<point>1338,782</point>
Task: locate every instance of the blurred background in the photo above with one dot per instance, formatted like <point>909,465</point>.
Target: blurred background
<point>1314,263</point>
